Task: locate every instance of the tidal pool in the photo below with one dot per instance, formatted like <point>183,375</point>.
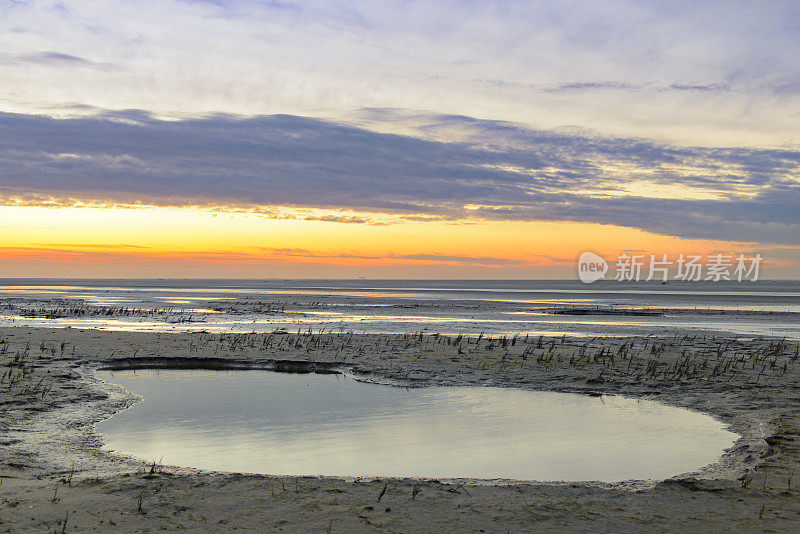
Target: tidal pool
<point>331,424</point>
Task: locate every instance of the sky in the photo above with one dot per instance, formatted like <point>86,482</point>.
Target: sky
<point>394,139</point>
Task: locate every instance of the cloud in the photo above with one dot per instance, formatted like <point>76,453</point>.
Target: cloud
<point>105,254</point>
<point>305,253</point>
<point>711,87</point>
<point>712,72</point>
<point>340,219</point>
<point>428,258</point>
<point>470,260</point>
<point>51,58</point>
<point>591,86</point>
<point>447,167</point>
<point>629,87</point>
<point>110,246</point>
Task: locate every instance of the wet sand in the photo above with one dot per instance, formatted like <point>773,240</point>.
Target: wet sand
<point>53,466</point>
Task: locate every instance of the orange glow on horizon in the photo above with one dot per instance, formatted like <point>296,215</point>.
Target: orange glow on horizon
<point>161,242</point>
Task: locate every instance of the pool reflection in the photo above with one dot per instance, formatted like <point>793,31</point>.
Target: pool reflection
<point>308,424</point>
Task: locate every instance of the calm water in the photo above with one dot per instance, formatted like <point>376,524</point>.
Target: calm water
<point>309,424</point>
<point>388,306</point>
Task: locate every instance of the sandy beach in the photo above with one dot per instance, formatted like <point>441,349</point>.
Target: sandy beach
<point>54,469</point>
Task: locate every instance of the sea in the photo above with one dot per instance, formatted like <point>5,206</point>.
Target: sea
<point>447,307</point>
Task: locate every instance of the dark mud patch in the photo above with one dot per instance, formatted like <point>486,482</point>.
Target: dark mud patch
<point>600,311</point>
<point>222,364</point>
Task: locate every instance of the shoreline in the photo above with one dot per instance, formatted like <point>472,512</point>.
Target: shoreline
<point>684,372</point>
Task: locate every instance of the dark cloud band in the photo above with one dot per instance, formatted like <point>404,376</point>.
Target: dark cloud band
<point>496,171</point>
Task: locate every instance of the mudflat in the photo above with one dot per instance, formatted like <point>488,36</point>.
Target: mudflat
<point>56,476</point>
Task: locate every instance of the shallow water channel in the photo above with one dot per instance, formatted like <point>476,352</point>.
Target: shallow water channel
<point>331,424</point>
